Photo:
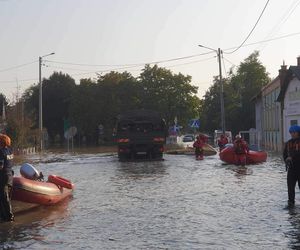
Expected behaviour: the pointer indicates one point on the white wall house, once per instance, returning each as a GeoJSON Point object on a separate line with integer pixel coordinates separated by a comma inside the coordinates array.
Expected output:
{"type": "Point", "coordinates": [277, 107]}
{"type": "Point", "coordinates": [290, 100]}
{"type": "Point", "coordinates": [271, 116]}
{"type": "Point", "coordinates": [268, 115]}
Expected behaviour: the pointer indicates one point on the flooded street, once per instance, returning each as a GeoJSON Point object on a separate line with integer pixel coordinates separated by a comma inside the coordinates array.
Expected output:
{"type": "Point", "coordinates": [178, 203]}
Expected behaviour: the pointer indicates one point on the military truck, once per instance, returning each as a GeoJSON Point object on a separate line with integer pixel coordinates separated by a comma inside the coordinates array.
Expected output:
{"type": "Point", "coordinates": [140, 134]}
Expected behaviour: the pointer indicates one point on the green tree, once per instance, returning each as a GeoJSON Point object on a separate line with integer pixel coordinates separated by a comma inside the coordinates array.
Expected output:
{"type": "Point", "coordinates": [239, 89]}
{"type": "Point", "coordinates": [250, 77]}
{"type": "Point", "coordinates": [84, 108]}
{"type": "Point", "coordinates": [31, 104]}
{"type": "Point", "coordinates": [99, 102]}
{"type": "Point", "coordinates": [210, 111]}
{"type": "Point", "coordinates": [169, 93]}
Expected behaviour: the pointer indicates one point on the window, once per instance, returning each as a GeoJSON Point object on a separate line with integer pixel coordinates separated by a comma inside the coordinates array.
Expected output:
{"type": "Point", "coordinates": [294, 122]}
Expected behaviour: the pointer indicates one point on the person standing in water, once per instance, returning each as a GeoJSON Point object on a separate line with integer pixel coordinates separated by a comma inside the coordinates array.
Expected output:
{"type": "Point", "coordinates": [241, 150]}
{"type": "Point", "coordinates": [291, 156]}
{"type": "Point", "coordinates": [198, 145]}
{"type": "Point", "coordinates": [6, 178]}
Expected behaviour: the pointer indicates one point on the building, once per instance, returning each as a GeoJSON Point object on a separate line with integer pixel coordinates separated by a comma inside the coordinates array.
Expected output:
{"type": "Point", "coordinates": [268, 114]}
{"type": "Point", "coordinates": [289, 98]}
{"type": "Point", "coordinates": [277, 107]}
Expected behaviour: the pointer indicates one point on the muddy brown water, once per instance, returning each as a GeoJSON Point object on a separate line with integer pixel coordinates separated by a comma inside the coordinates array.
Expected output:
{"type": "Point", "coordinates": [178, 203]}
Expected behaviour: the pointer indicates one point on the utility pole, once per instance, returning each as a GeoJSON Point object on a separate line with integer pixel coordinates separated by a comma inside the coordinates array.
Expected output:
{"type": "Point", "coordinates": [219, 53]}
{"type": "Point", "coordinates": [41, 102]}
{"type": "Point", "coordinates": [40, 105]}
{"type": "Point", "coordinates": [221, 93]}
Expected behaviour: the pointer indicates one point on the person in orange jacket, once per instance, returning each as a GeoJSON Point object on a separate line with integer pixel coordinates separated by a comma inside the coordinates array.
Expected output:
{"type": "Point", "coordinates": [241, 150]}
{"type": "Point", "coordinates": [222, 141]}
{"type": "Point", "coordinates": [198, 145]}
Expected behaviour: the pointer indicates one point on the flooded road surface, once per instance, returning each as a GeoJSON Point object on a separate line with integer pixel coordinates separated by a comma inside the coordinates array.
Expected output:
{"type": "Point", "coordinates": [178, 203]}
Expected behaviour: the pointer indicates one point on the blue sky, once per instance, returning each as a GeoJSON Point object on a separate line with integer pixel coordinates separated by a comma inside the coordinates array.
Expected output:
{"type": "Point", "coordinates": [117, 32]}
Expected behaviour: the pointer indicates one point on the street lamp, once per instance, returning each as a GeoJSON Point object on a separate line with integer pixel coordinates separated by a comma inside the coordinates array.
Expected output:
{"type": "Point", "coordinates": [41, 101]}
{"type": "Point", "coordinates": [218, 51]}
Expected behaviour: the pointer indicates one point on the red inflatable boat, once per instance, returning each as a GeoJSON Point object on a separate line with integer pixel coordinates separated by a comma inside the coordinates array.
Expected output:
{"type": "Point", "coordinates": [228, 155]}
{"type": "Point", "coordinates": [41, 192]}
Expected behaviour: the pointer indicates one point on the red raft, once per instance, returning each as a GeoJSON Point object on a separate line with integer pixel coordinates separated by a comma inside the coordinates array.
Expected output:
{"type": "Point", "coordinates": [253, 157]}
{"type": "Point", "coordinates": [40, 192]}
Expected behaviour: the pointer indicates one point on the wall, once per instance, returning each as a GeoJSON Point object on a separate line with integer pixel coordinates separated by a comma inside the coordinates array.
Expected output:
{"type": "Point", "coordinates": [291, 111]}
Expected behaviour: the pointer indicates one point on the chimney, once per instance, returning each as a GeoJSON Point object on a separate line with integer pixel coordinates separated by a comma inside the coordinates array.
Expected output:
{"type": "Point", "coordinates": [283, 71]}
{"type": "Point", "coordinates": [298, 61]}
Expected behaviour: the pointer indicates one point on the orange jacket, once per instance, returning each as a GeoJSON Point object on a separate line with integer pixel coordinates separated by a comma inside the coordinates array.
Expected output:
{"type": "Point", "coordinates": [240, 146]}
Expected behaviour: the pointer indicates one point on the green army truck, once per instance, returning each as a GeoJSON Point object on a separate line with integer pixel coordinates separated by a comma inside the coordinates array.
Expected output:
{"type": "Point", "coordinates": [140, 134]}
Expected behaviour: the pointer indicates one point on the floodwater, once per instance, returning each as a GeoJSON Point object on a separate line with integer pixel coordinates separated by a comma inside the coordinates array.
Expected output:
{"type": "Point", "coordinates": [178, 203]}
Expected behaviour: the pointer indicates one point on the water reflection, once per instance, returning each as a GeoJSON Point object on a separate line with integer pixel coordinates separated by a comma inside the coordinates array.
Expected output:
{"type": "Point", "coordinates": [240, 172]}
{"type": "Point", "coordinates": [139, 170]}
{"type": "Point", "coordinates": [178, 203]}
{"type": "Point", "coordinates": [294, 233]}
{"type": "Point", "coordinates": [28, 226]}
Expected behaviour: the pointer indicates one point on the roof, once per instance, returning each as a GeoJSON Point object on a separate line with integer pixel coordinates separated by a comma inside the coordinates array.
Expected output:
{"type": "Point", "coordinates": [292, 71]}
{"type": "Point", "coordinates": [259, 94]}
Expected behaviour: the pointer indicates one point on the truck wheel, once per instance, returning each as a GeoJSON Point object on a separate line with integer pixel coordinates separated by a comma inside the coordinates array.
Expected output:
{"type": "Point", "coordinates": [122, 156]}
{"type": "Point", "coordinates": [159, 156]}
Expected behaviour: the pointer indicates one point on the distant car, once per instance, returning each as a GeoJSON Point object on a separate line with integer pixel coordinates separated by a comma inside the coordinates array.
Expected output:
{"type": "Point", "coordinates": [188, 138]}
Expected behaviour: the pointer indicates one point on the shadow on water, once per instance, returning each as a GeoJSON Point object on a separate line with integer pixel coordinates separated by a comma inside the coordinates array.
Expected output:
{"type": "Point", "coordinates": [294, 233]}
{"type": "Point", "coordinates": [240, 171]}
{"type": "Point", "coordinates": [28, 225]}
{"type": "Point", "coordinates": [141, 169]}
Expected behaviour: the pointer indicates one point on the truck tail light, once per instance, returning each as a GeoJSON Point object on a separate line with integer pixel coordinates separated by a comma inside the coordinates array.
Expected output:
{"type": "Point", "coordinates": [158, 139]}
{"type": "Point", "coordinates": [123, 140]}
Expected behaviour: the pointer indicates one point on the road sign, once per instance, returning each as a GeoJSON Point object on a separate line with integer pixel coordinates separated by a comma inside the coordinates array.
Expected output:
{"type": "Point", "coordinates": [194, 123]}
{"type": "Point", "coordinates": [71, 132]}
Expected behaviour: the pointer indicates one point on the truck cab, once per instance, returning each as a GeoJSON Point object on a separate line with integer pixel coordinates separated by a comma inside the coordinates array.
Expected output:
{"type": "Point", "coordinates": [140, 133]}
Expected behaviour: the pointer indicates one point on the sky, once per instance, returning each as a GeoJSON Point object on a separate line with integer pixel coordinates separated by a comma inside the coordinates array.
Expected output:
{"type": "Point", "coordinates": [89, 36]}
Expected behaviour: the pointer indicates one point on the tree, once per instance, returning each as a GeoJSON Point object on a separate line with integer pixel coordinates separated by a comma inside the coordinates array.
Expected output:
{"type": "Point", "coordinates": [84, 108]}
{"type": "Point", "coordinates": [171, 94]}
{"type": "Point", "coordinates": [239, 89]}
{"type": "Point", "coordinates": [210, 112]}
{"type": "Point", "coordinates": [99, 102]}
{"type": "Point", "coordinates": [250, 77]}
{"type": "Point", "coordinates": [56, 99]}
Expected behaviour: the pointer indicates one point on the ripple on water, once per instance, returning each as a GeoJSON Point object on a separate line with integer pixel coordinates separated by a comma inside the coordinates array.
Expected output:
{"type": "Point", "coordinates": [178, 203]}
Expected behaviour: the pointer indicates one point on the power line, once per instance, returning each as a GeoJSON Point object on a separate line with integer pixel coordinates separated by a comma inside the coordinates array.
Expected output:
{"type": "Point", "coordinates": [141, 64]}
{"type": "Point", "coordinates": [283, 19]}
{"type": "Point", "coordinates": [23, 80]}
{"type": "Point", "coordinates": [181, 64]}
{"type": "Point", "coordinates": [251, 29]}
{"type": "Point", "coordinates": [75, 69]}
{"type": "Point", "coordinates": [107, 70]}
{"type": "Point", "coordinates": [229, 61]}
{"type": "Point", "coordinates": [92, 65]}
{"type": "Point", "coordinates": [122, 68]}
{"type": "Point", "coordinates": [18, 66]}
{"type": "Point", "coordinates": [126, 66]}
{"type": "Point", "coordinates": [103, 71]}
{"type": "Point", "coordinates": [132, 64]}
{"type": "Point", "coordinates": [264, 41]}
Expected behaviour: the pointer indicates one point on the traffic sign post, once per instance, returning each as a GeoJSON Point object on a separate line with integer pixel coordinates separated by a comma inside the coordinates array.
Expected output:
{"type": "Point", "coordinates": [69, 134]}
